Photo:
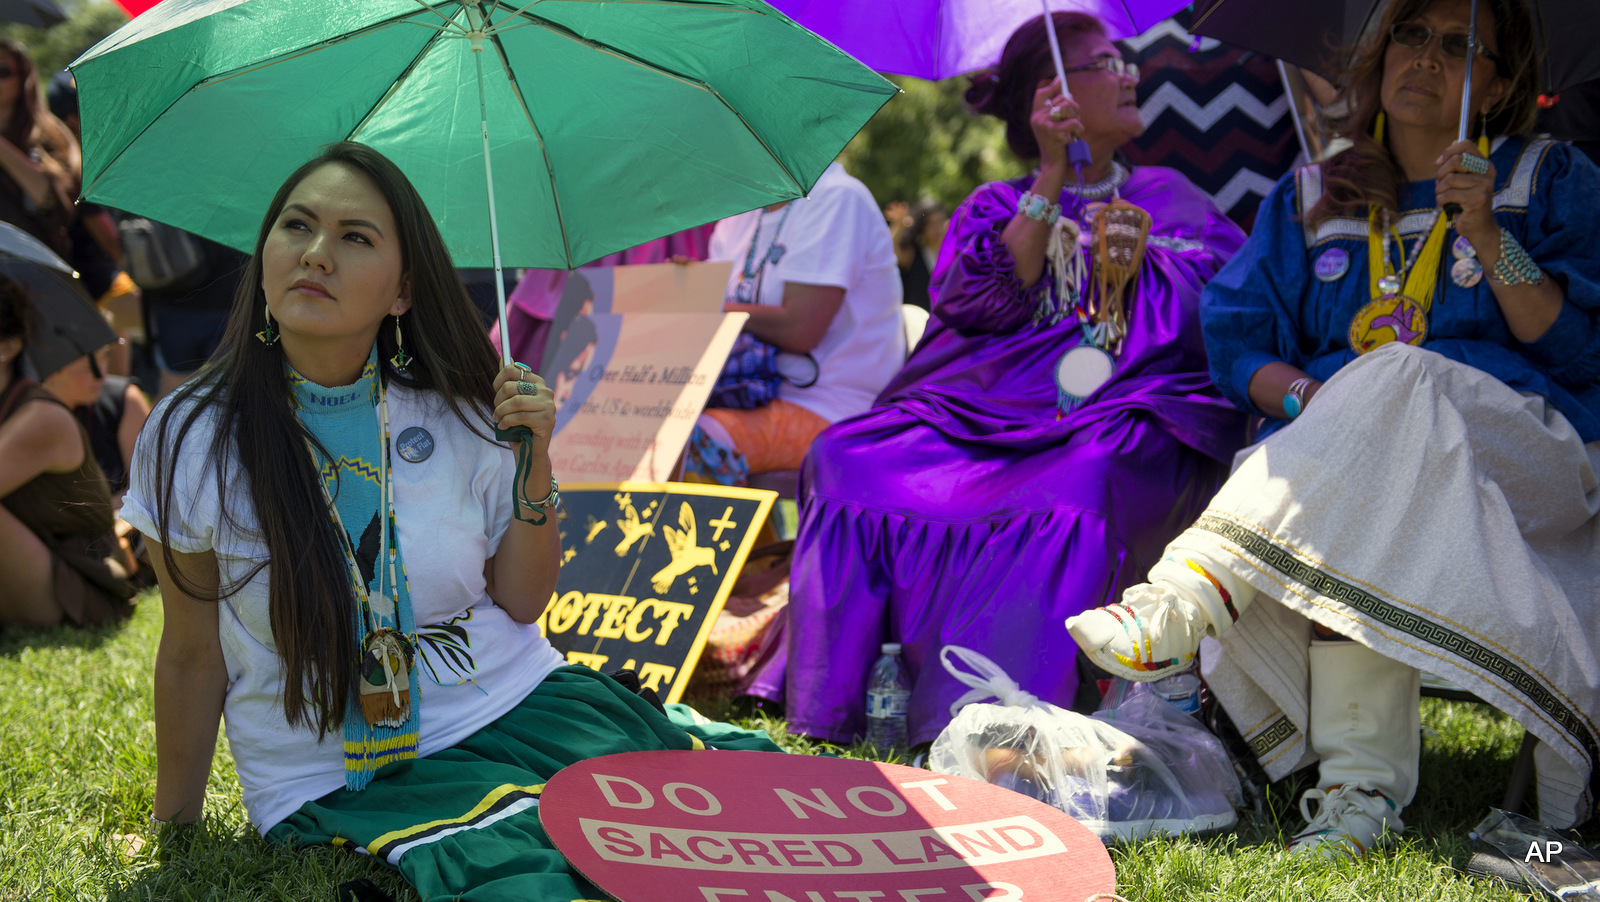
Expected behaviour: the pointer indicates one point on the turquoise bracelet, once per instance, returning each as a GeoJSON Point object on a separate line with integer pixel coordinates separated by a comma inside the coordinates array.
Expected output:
{"type": "Point", "coordinates": [1038, 208]}
{"type": "Point", "coordinates": [1515, 266]}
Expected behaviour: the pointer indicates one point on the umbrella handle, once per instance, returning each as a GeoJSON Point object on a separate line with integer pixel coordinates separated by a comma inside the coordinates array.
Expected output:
{"type": "Point", "coordinates": [519, 495]}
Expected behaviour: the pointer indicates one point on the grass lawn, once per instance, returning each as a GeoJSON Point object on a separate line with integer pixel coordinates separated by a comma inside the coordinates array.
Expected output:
{"type": "Point", "coordinates": [77, 768]}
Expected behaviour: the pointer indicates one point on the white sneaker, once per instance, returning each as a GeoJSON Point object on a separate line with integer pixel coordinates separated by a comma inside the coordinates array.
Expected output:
{"type": "Point", "coordinates": [1152, 633]}
{"type": "Point", "coordinates": [1351, 821]}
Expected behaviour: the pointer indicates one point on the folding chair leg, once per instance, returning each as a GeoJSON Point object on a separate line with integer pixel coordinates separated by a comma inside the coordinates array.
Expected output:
{"type": "Point", "coordinates": [1521, 772]}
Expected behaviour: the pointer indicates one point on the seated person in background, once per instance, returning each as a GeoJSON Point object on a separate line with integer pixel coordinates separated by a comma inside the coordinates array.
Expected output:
{"type": "Point", "coordinates": [58, 552]}
{"type": "Point", "coordinates": [818, 277]}
{"type": "Point", "coordinates": [367, 622]}
{"type": "Point", "coordinates": [38, 157]}
{"type": "Point", "coordinates": [1426, 495]}
{"type": "Point", "coordinates": [111, 408]}
{"type": "Point", "coordinates": [188, 311]}
{"type": "Point", "coordinates": [96, 251]}
{"type": "Point", "coordinates": [979, 503]}
{"type": "Point", "coordinates": [918, 231]}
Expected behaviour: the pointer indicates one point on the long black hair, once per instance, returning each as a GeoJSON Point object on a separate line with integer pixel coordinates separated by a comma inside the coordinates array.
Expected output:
{"type": "Point", "coordinates": [245, 388]}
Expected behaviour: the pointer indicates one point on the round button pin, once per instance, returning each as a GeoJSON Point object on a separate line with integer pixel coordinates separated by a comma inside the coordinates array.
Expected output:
{"type": "Point", "coordinates": [1462, 248]}
{"type": "Point", "coordinates": [1466, 272]}
{"type": "Point", "coordinates": [415, 444]}
{"type": "Point", "coordinates": [1332, 265]}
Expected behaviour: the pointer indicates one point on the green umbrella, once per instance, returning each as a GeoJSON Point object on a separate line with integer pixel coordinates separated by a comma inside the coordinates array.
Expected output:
{"type": "Point", "coordinates": [609, 122]}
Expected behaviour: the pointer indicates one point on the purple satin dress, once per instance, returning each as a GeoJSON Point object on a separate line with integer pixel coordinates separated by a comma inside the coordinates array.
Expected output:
{"type": "Point", "coordinates": [966, 509]}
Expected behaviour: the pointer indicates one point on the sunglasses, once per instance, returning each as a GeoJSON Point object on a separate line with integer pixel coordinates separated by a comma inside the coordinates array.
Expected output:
{"type": "Point", "coordinates": [1455, 45]}
{"type": "Point", "coordinates": [1116, 65]}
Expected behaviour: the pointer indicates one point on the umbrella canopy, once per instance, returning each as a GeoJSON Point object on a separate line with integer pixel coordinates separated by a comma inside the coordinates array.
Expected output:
{"type": "Point", "coordinates": [66, 324]}
{"type": "Point", "coordinates": [610, 122]}
{"type": "Point", "coordinates": [1318, 36]}
{"type": "Point", "coordinates": [32, 13]}
{"type": "Point", "coordinates": [936, 39]}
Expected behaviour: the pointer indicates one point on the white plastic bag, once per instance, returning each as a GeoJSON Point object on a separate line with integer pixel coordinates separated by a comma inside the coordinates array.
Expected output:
{"type": "Point", "coordinates": [1140, 768]}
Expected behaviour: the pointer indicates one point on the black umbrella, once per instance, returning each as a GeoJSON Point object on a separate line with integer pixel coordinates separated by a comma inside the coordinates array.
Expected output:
{"type": "Point", "coordinates": [1318, 35]}
{"type": "Point", "coordinates": [34, 13]}
{"type": "Point", "coordinates": [66, 324]}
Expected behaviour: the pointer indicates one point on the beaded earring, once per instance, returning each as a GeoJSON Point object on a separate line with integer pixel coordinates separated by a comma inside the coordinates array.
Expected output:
{"type": "Point", "coordinates": [269, 335]}
{"type": "Point", "coordinates": [401, 360]}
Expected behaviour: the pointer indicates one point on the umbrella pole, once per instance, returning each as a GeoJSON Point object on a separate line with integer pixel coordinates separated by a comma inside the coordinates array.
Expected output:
{"type": "Point", "coordinates": [1294, 112]}
{"type": "Point", "coordinates": [1055, 49]}
{"type": "Point", "coordinates": [494, 224]}
{"type": "Point", "coordinates": [521, 435]}
{"type": "Point", "coordinates": [1078, 153]}
{"type": "Point", "coordinates": [1464, 131]}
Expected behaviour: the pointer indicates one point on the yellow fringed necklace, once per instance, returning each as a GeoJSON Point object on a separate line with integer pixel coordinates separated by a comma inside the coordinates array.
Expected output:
{"type": "Point", "coordinates": [1400, 301]}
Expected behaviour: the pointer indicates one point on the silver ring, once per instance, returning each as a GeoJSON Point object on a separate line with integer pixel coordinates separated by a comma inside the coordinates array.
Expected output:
{"type": "Point", "coordinates": [1055, 113]}
{"type": "Point", "coordinates": [1474, 164]}
{"type": "Point", "coordinates": [527, 388]}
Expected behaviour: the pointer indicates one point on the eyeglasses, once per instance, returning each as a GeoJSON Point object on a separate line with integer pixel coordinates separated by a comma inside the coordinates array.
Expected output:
{"type": "Point", "coordinates": [1116, 65]}
{"type": "Point", "coordinates": [1455, 45]}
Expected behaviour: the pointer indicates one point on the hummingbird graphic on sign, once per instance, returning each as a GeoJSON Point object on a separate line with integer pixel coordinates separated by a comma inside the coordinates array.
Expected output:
{"type": "Point", "coordinates": [686, 555]}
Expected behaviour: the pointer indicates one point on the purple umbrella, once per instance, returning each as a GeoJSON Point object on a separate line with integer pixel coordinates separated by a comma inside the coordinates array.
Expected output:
{"type": "Point", "coordinates": [936, 39]}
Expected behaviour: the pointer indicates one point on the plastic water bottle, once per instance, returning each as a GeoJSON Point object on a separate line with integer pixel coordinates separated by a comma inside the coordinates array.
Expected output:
{"type": "Point", "coordinates": [1182, 689]}
{"type": "Point", "coordinates": [888, 694]}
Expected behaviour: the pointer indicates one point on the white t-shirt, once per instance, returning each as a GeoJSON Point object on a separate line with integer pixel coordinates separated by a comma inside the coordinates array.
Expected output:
{"type": "Point", "coordinates": [836, 236]}
{"type": "Point", "coordinates": [452, 509]}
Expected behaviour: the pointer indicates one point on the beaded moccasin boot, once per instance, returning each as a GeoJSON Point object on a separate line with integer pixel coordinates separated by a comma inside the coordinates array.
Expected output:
{"type": "Point", "coordinates": [1155, 630]}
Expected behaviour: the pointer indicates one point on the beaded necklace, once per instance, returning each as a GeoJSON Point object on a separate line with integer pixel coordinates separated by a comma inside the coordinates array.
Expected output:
{"type": "Point", "coordinates": [1103, 188]}
{"type": "Point", "coordinates": [387, 686]}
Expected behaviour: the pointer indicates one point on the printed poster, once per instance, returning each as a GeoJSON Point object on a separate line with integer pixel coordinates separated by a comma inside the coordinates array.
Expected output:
{"type": "Point", "coordinates": [632, 356]}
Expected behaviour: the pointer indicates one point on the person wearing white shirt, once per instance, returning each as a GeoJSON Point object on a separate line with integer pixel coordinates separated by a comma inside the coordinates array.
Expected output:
{"type": "Point", "coordinates": [819, 279]}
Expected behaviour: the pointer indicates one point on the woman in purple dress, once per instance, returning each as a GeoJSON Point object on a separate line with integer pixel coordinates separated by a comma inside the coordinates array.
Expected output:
{"type": "Point", "coordinates": [979, 503]}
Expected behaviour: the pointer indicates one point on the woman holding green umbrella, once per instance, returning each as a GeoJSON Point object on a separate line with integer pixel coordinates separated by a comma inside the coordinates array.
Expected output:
{"type": "Point", "coordinates": [343, 579]}
{"type": "Point", "coordinates": [1426, 494]}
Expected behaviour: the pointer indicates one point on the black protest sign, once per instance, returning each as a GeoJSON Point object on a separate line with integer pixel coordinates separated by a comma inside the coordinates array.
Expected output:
{"type": "Point", "coordinates": [645, 569]}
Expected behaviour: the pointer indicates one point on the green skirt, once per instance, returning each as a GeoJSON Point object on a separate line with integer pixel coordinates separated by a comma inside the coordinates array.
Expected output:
{"type": "Point", "coordinates": [463, 823]}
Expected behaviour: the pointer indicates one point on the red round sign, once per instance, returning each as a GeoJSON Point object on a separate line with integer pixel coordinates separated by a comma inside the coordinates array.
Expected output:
{"type": "Point", "coordinates": [720, 826]}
